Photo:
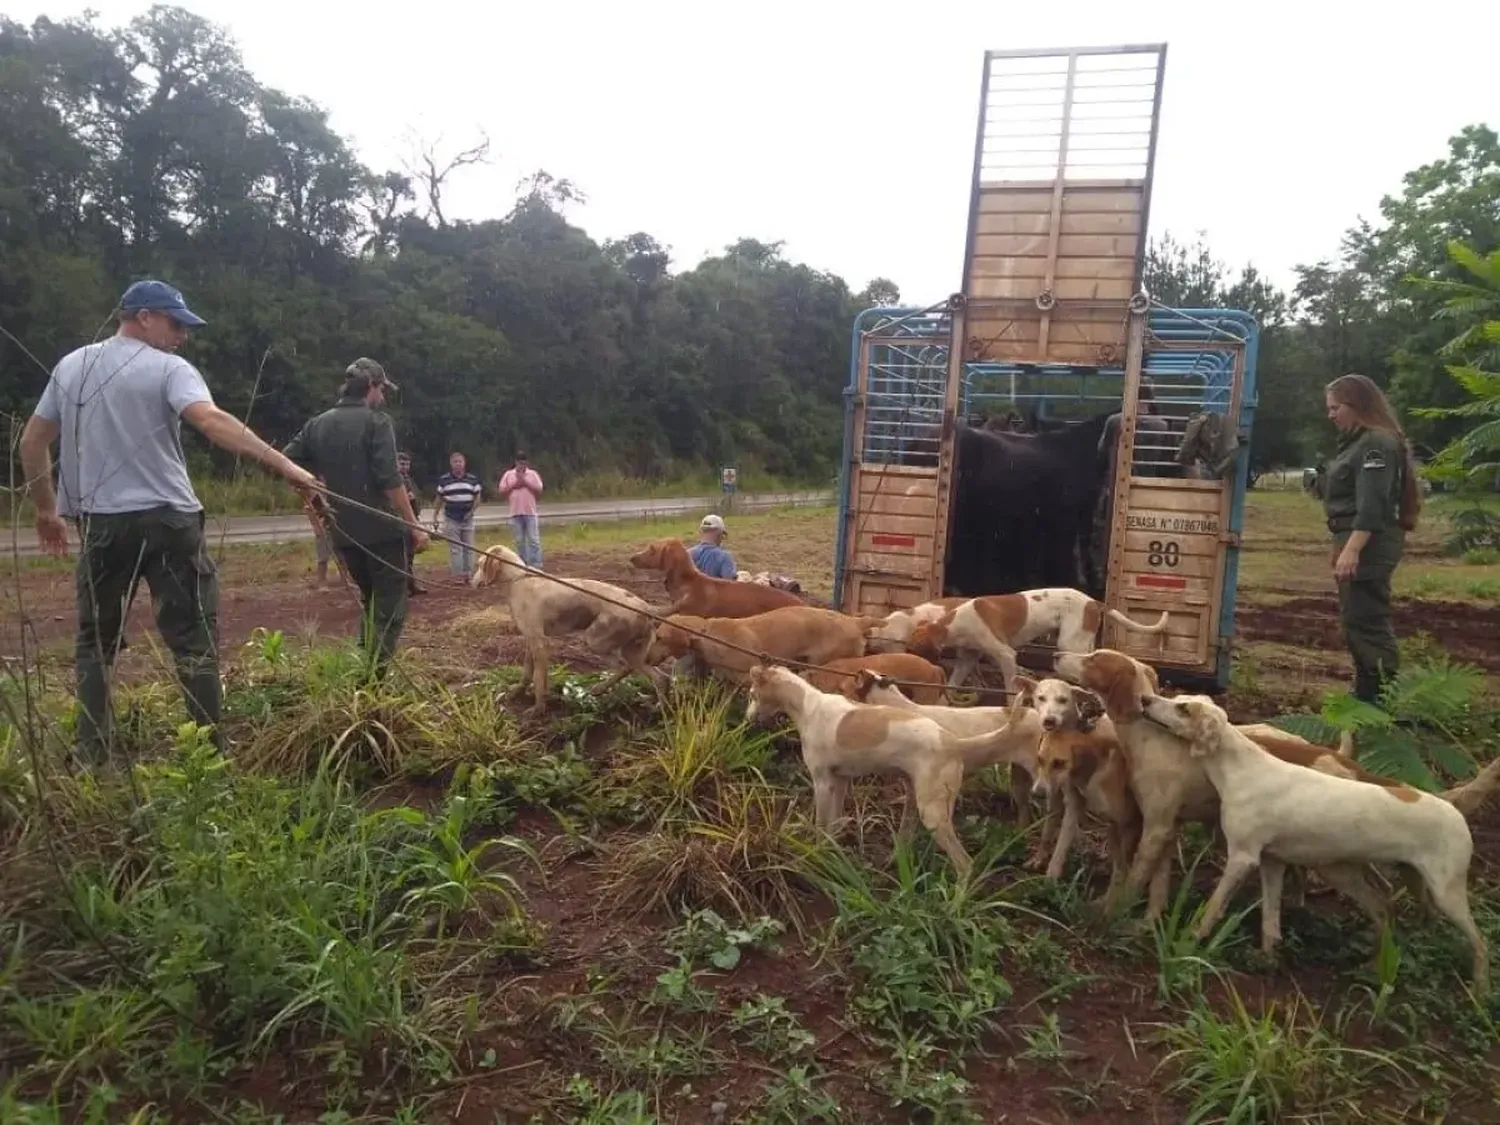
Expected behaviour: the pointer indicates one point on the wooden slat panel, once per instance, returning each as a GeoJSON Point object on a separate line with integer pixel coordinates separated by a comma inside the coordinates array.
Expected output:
{"type": "Point", "coordinates": [910, 565]}
{"type": "Point", "coordinates": [1174, 510]}
{"type": "Point", "coordinates": [1186, 648]}
{"type": "Point", "coordinates": [1196, 545]}
{"type": "Point", "coordinates": [879, 507]}
{"type": "Point", "coordinates": [1031, 266]}
{"type": "Point", "coordinates": [894, 524]}
{"type": "Point", "coordinates": [1068, 245]}
{"type": "Point", "coordinates": [873, 479]}
{"type": "Point", "coordinates": [1084, 223]}
{"type": "Point", "coordinates": [1066, 289]}
{"type": "Point", "coordinates": [1098, 245]}
{"type": "Point", "coordinates": [1181, 588]}
{"type": "Point", "coordinates": [877, 596]}
{"type": "Point", "coordinates": [1100, 202]}
{"type": "Point", "coordinates": [1195, 566]}
{"type": "Point", "coordinates": [1006, 200]}
{"type": "Point", "coordinates": [894, 543]}
{"type": "Point", "coordinates": [1138, 485]}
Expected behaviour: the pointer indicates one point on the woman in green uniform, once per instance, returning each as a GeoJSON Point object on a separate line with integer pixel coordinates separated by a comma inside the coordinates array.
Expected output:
{"type": "Point", "coordinates": [1371, 496]}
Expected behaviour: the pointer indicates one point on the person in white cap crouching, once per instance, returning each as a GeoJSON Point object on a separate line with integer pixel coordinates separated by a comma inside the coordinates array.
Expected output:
{"type": "Point", "coordinates": [708, 554]}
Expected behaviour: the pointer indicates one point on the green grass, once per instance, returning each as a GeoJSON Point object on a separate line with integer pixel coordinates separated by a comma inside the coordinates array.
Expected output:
{"type": "Point", "coordinates": [1288, 552]}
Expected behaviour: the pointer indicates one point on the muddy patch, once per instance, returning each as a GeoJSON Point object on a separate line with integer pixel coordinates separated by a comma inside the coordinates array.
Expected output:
{"type": "Point", "coordinates": [1466, 631]}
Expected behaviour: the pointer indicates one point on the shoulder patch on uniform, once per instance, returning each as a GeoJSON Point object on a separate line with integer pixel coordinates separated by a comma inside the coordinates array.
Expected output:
{"type": "Point", "coordinates": [1374, 459]}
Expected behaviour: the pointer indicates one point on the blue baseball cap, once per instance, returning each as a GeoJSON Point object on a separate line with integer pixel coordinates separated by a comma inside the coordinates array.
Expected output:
{"type": "Point", "coordinates": [158, 296]}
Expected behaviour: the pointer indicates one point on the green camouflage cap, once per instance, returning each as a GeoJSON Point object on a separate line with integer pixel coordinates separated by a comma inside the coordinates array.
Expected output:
{"type": "Point", "coordinates": [371, 371]}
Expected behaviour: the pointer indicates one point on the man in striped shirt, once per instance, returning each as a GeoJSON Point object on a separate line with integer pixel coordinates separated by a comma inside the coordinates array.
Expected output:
{"type": "Point", "coordinates": [458, 496]}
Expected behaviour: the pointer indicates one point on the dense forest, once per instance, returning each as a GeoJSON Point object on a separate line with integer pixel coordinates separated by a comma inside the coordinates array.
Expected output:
{"type": "Point", "coordinates": [151, 150]}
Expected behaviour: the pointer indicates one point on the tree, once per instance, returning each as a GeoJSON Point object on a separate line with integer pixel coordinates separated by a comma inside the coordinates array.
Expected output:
{"type": "Point", "coordinates": [428, 167]}
{"type": "Point", "coordinates": [1475, 305]}
{"type": "Point", "coordinates": [881, 292]}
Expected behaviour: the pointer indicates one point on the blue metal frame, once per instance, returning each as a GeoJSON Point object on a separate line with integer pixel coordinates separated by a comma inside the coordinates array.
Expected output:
{"type": "Point", "coordinates": [1168, 359]}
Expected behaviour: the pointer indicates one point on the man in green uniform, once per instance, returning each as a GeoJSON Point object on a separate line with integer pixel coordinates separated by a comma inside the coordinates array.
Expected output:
{"type": "Point", "coordinates": [353, 448]}
{"type": "Point", "coordinates": [1362, 489]}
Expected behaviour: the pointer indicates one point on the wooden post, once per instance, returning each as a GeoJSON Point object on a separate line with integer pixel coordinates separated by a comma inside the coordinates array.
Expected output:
{"type": "Point", "coordinates": [856, 456]}
{"type": "Point", "coordinates": [1135, 349]}
{"type": "Point", "coordinates": [1054, 225]}
{"type": "Point", "coordinates": [948, 448]}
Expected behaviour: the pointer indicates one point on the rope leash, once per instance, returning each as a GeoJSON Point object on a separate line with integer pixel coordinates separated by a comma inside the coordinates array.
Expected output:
{"type": "Point", "coordinates": [660, 619]}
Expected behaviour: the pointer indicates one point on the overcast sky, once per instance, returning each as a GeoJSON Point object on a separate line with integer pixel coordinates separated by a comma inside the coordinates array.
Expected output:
{"type": "Point", "coordinates": [846, 130]}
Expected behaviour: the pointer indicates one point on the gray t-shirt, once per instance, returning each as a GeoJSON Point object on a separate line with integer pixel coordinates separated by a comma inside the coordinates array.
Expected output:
{"type": "Point", "coordinates": [118, 405]}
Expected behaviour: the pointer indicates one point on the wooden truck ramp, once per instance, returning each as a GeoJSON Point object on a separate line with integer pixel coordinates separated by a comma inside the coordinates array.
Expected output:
{"type": "Point", "coordinates": [1052, 322]}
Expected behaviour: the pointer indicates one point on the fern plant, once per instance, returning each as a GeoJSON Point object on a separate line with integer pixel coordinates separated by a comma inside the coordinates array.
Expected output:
{"type": "Point", "coordinates": [1474, 455]}
{"type": "Point", "coordinates": [1423, 731]}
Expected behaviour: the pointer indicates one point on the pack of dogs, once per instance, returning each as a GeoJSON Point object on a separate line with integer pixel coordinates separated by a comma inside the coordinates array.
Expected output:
{"type": "Point", "coordinates": [1098, 740]}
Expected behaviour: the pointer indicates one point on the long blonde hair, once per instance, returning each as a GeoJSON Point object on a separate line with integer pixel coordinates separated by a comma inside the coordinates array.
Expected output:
{"type": "Point", "coordinates": [1372, 410]}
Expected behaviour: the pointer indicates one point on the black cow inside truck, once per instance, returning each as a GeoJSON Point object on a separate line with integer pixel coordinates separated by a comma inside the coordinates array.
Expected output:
{"type": "Point", "coordinates": [1032, 509]}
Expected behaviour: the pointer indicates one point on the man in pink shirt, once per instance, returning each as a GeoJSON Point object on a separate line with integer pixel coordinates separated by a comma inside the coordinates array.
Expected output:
{"type": "Point", "coordinates": [521, 485]}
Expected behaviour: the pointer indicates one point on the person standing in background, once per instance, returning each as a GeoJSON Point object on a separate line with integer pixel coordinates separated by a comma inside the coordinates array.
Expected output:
{"type": "Point", "coordinates": [116, 410]}
{"type": "Point", "coordinates": [708, 554]}
{"type": "Point", "coordinates": [521, 485]}
{"type": "Point", "coordinates": [458, 496]}
{"type": "Point", "coordinates": [353, 448]}
{"type": "Point", "coordinates": [323, 544]}
{"type": "Point", "coordinates": [403, 466]}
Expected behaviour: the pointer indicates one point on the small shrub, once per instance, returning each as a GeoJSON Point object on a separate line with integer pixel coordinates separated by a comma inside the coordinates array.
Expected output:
{"type": "Point", "coordinates": [1277, 1066]}
{"type": "Point", "coordinates": [794, 1099]}
{"type": "Point", "coordinates": [925, 952]}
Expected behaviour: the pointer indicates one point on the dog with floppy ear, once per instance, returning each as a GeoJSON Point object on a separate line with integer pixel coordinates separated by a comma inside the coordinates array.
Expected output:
{"type": "Point", "coordinates": [1170, 786]}
{"type": "Point", "coordinates": [1018, 750]}
{"type": "Point", "coordinates": [1080, 767]}
{"type": "Point", "coordinates": [696, 594]}
{"type": "Point", "coordinates": [614, 622]}
{"type": "Point", "coordinates": [843, 740]}
{"type": "Point", "coordinates": [1276, 813]}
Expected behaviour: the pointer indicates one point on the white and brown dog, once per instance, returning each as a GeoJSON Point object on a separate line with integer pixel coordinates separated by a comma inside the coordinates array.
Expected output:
{"type": "Point", "coordinates": [997, 625]}
{"type": "Point", "coordinates": [620, 628]}
{"type": "Point", "coordinates": [843, 740]}
{"type": "Point", "coordinates": [1275, 813]}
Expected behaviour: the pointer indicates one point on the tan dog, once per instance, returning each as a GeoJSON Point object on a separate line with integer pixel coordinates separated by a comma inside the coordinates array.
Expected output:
{"type": "Point", "coordinates": [696, 594]}
{"type": "Point", "coordinates": [996, 626]}
{"type": "Point", "coordinates": [843, 740]}
{"type": "Point", "coordinates": [1082, 767]}
{"type": "Point", "coordinates": [1170, 786]}
{"type": "Point", "coordinates": [799, 633]}
{"type": "Point", "coordinates": [1017, 749]}
{"type": "Point", "coordinates": [840, 675]}
{"type": "Point", "coordinates": [543, 609]}
{"type": "Point", "coordinates": [1275, 813]}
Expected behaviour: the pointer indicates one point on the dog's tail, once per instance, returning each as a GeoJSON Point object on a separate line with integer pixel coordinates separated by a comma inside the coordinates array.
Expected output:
{"type": "Point", "coordinates": [980, 749]}
{"type": "Point", "coordinates": [1470, 797]}
{"type": "Point", "coordinates": [1135, 626]}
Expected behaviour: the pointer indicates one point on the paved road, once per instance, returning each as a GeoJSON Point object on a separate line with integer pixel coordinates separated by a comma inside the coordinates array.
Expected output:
{"type": "Point", "coordinates": [281, 529]}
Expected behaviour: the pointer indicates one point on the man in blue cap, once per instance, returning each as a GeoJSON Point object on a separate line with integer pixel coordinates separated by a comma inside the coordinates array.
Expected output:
{"type": "Point", "coordinates": [116, 410]}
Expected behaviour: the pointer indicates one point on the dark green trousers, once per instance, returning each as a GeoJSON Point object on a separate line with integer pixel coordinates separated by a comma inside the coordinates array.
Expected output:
{"type": "Point", "coordinates": [167, 549]}
{"type": "Point", "coordinates": [380, 571]}
{"type": "Point", "coordinates": [1365, 615]}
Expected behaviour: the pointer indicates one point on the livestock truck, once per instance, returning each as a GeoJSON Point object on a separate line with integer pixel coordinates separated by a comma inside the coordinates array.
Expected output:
{"type": "Point", "coordinates": [1052, 323]}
